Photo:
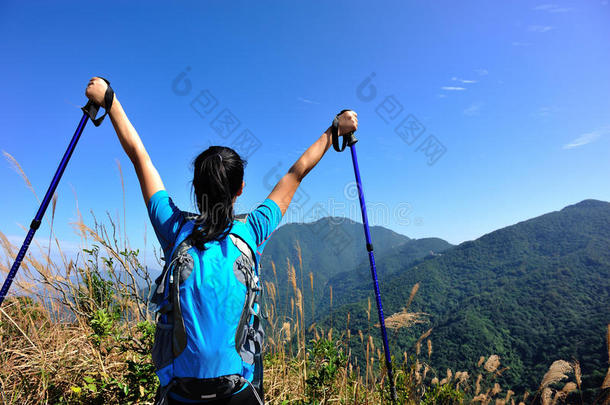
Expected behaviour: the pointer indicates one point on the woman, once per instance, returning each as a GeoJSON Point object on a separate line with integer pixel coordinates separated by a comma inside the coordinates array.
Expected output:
{"type": "Point", "coordinates": [217, 182]}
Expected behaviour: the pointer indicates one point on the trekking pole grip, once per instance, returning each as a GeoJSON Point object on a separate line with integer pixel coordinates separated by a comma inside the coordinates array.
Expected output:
{"type": "Point", "coordinates": [91, 109]}
{"type": "Point", "coordinates": [348, 139]}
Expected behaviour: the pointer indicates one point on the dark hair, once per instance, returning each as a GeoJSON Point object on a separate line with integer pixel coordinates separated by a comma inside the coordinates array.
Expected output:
{"type": "Point", "coordinates": [218, 173]}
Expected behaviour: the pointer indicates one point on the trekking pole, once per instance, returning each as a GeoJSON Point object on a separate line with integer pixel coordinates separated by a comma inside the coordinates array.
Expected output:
{"type": "Point", "coordinates": [89, 111]}
{"type": "Point", "coordinates": [350, 140]}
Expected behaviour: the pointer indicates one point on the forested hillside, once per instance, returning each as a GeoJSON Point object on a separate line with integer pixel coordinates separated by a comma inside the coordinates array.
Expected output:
{"type": "Point", "coordinates": [332, 249]}
{"type": "Point", "coordinates": [531, 293]}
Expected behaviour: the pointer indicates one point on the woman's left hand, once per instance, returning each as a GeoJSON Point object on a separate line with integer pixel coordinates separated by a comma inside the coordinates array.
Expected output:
{"type": "Point", "coordinates": [348, 122]}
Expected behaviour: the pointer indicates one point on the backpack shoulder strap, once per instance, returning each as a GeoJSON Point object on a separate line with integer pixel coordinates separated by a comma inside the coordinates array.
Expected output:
{"type": "Point", "coordinates": [241, 237]}
{"type": "Point", "coordinates": [161, 282]}
{"type": "Point", "coordinates": [249, 336]}
{"type": "Point", "coordinates": [184, 232]}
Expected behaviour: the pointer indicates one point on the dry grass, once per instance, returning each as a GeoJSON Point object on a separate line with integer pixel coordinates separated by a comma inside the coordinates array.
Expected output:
{"type": "Point", "coordinates": [404, 318]}
{"type": "Point", "coordinates": [492, 363]}
{"type": "Point", "coordinates": [558, 371]}
{"type": "Point", "coordinates": [43, 360]}
{"type": "Point", "coordinates": [48, 350]}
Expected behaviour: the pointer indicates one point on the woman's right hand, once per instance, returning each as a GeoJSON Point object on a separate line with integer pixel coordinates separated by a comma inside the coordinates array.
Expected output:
{"type": "Point", "coordinates": [348, 122]}
{"type": "Point", "coordinates": [96, 89]}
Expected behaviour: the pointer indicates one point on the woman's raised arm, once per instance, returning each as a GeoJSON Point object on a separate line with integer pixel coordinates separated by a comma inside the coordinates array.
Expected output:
{"type": "Point", "coordinates": [150, 181]}
{"type": "Point", "coordinates": [284, 190]}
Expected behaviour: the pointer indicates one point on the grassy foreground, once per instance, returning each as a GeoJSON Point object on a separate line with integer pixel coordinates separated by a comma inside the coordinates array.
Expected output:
{"type": "Point", "coordinates": [79, 331]}
{"type": "Point", "coordinates": [82, 334]}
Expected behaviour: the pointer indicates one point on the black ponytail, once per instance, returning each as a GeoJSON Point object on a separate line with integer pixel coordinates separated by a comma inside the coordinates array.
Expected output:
{"type": "Point", "coordinates": [218, 173]}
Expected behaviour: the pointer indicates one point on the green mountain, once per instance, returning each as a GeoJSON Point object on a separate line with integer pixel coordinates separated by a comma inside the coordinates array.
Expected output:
{"type": "Point", "coordinates": [332, 249]}
{"type": "Point", "coordinates": [532, 293]}
{"type": "Point", "coordinates": [356, 284]}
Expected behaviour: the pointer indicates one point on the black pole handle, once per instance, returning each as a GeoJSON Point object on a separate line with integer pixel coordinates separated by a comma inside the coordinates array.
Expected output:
{"type": "Point", "coordinates": [348, 139]}
{"type": "Point", "coordinates": [91, 109]}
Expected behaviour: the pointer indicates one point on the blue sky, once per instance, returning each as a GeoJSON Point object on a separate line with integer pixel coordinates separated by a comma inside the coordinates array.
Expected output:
{"type": "Point", "coordinates": [507, 104]}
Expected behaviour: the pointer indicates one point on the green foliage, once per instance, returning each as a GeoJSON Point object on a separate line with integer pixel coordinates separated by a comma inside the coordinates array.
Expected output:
{"type": "Point", "coordinates": [137, 383]}
{"type": "Point", "coordinates": [100, 292]}
{"type": "Point", "coordinates": [326, 357]}
{"type": "Point", "coordinates": [140, 381]}
{"type": "Point", "coordinates": [444, 394]}
{"type": "Point", "coordinates": [94, 390]}
{"type": "Point", "coordinates": [103, 325]}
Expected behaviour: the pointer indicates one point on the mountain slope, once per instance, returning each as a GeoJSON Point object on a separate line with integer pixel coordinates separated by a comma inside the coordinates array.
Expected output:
{"type": "Point", "coordinates": [356, 284]}
{"type": "Point", "coordinates": [328, 246]}
{"type": "Point", "coordinates": [532, 293]}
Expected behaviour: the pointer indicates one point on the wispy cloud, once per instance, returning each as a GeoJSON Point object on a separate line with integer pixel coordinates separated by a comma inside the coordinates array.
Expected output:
{"type": "Point", "coordinates": [545, 111]}
{"type": "Point", "coordinates": [540, 28]}
{"type": "Point", "coordinates": [459, 82]}
{"type": "Point", "coordinates": [552, 8]}
{"type": "Point", "coordinates": [473, 109]}
{"type": "Point", "coordinates": [587, 138]}
{"type": "Point", "coordinates": [457, 79]}
{"type": "Point", "coordinates": [517, 43]}
{"type": "Point", "coordinates": [308, 101]}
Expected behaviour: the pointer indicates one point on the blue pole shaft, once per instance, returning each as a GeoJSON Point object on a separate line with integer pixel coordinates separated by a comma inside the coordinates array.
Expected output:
{"type": "Point", "coordinates": [369, 246]}
{"type": "Point", "coordinates": [43, 207]}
